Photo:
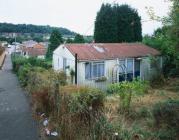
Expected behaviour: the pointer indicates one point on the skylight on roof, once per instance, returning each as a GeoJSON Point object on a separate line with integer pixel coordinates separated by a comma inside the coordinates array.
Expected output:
{"type": "Point", "coordinates": [99, 49]}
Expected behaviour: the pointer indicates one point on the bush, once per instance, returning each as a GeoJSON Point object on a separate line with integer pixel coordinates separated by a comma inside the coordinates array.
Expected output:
{"type": "Point", "coordinates": [80, 108]}
{"type": "Point", "coordinates": [18, 61]}
{"type": "Point", "coordinates": [139, 86]}
{"type": "Point", "coordinates": [157, 80]}
{"type": "Point", "coordinates": [42, 86]}
{"type": "Point", "coordinates": [126, 90]}
{"type": "Point", "coordinates": [166, 114]}
{"type": "Point", "coordinates": [23, 74]}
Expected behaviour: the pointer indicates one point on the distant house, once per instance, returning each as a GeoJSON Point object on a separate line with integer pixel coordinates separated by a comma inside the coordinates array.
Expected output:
{"type": "Point", "coordinates": [101, 64]}
{"type": "Point", "coordinates": [37, 50]}
{"type": "Point", "coordinates": [29, 43]}
{"type": "Point", "coordinates": [14, 48]}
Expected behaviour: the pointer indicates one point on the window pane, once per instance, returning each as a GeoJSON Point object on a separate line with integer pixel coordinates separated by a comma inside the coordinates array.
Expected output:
{"type": "Point", "coordinates": [129, 66]}
{"type": "Point", "coordinates": [87, 71]}
{"type": "Point", "coordinates": [122, 67]}
{"type": "Point", "coordinates": [100, 70]}
{"type": "Point", "coordinates": [95, 71]}
{"type": "Point", "coordinates": [64, 63]}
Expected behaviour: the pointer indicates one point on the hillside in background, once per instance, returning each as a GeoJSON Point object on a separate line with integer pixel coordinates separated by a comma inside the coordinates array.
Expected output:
{"type": "Point", "coordinates": [29, 28]}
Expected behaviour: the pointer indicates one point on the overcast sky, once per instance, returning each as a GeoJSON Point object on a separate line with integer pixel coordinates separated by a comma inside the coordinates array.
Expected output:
{"type": "Point", "coordinates": [76, 15]}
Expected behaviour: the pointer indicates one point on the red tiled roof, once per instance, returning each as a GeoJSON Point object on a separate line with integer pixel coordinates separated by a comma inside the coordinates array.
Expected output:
{"type": "Point", "coordinates": [39, 46]}
{"type": "Point", "coordinates": [99, 51]}
{"type": "Point", "coordinates": [37, 50]}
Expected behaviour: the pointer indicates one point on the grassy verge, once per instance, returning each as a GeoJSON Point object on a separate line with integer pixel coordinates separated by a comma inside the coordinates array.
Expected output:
{"type": "Point", "coordinates": [2, 57]}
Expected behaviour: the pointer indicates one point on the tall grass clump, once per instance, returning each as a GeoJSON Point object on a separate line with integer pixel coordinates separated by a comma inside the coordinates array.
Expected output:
{"type": "Point", "coordinates": [42, 86]}
{"type": "Point", "coordinates": [166, 117]}
{"type": "Point", "coordinates": [81, 108]}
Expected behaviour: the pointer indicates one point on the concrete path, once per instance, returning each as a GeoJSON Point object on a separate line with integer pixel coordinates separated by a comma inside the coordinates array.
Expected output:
{"type": "Point", "coordinates": [16, 122]}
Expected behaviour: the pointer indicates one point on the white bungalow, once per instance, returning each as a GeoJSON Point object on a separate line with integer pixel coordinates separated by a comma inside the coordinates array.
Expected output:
{"type": "Point", "coordinates": [98, 65]}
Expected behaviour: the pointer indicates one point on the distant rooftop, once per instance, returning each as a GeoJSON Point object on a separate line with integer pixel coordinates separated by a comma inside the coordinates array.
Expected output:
{"type": "Point", "coordinates": [29, 43]}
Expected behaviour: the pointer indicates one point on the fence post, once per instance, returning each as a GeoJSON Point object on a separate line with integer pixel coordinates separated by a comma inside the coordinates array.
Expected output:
{"type": "Point", "coordinates": [57, 95]}
{"type": "Point", "coordinates": [76, 68]}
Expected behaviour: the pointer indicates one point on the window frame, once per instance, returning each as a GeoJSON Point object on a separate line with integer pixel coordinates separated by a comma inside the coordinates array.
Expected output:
{"type": "Point", "coordinates": [91, 66]}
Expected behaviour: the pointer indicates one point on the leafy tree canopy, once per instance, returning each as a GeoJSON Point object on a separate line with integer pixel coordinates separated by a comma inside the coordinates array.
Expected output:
{"type": "Point", "coordinates": [79, 39]}
{"type": "Point", "coordinates": [166, 39]}
{"type": "Point", "coordinates": [29, 28]}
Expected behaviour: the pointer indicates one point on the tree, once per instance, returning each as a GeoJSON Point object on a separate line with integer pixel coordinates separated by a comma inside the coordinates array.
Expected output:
{"type": "Point", "coordinates": [29, 28]}
{"type": "Point", "coordinates": [174, 22]}
{"type": "Point", "coordinates": [161, 41]}
{"type": "Point", "coordinates": [55, 41]}
{"type": "Point", "coordinates": [69, 40]}
{"type": "Point", "coordinates": [79, 39]}
{"type": "Point", "coordinates": [117, 24]}
{"type": "Point", "coordinates": [38, 38]}
{"type": "Point", "coordinates": [105, 25]}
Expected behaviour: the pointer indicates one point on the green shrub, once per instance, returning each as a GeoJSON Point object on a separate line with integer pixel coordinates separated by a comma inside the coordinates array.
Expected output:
{"type": "Point", "coordinates": [18, 61]}
{"type": "Point", "coordinates": [126, 90]}
{"type": "Point", "coordinates": [23, 74]}
{"type": "Point", "coordinates": [113, 88]}
{"type": "Point", "coordinates": [144, 113]}
{"type": "Point", "coordinates": [166, 114]}
{"type": "Point", "coordinates": [139, 86]}
{"type": "Point", "coordinates": [103, 129]}
{"type": "Point", "coordinates": [168, 134]}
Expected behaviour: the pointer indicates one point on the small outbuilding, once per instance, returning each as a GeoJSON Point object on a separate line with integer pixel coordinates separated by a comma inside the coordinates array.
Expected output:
{"type": "Point", "coordinates": [99, 64]}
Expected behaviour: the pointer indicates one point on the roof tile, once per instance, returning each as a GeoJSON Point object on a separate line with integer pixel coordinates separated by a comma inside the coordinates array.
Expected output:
{"type": "Point", "coordinates": [97, 51]}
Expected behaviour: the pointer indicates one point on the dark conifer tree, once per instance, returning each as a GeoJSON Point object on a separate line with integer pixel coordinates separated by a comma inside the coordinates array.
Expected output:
{"type": "Point", "coordinates": [105, 25]}
{"type": "Point", "coordinates": [55, 41]}
{"type": "Point", "coordinates": [117, 24]}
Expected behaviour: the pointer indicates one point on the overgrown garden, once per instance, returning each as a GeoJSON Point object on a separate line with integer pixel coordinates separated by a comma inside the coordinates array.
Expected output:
{"type": "Point", "coordinates": [127, 110]}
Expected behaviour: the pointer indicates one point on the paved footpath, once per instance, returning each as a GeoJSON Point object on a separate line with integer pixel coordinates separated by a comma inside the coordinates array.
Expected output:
{"type": "Point", "coordinates": [16, 122]}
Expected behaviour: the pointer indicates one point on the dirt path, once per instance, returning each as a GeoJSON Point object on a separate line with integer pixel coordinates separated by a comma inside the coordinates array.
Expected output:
{"type": "Point", "coordinates": [16, 122]}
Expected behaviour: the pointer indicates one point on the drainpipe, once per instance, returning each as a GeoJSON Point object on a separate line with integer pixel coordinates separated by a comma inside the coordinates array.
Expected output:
{"type": "Point", "coordinates": [76, 59]}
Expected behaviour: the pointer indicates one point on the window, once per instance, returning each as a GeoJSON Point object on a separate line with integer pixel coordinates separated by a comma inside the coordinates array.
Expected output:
{"type": "Point", "coordinates": [137, 68]}
{"type": "Point", "coordinates": [122, 70]}
{"type": "Point", "coordinates": [126, 70]}
{"type": "Point", "coordinates": [64, 63]}
{"type": "Point", "coordinates": [94, 70]}
{"type": "Point", "coordinates": [122, 67]}
{"type": "Point", "coordinates": [130, 69]}
{"type": "Point", "coordinates": [87, 70]}
{"type": "Point", "coordinates": [129, 65]}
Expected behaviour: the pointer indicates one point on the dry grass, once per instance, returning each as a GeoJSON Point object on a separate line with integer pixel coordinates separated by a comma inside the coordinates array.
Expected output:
{"type": "Point", "coordinates": [146, 102]}
{"type": "Point", "coordinates": [168, 91]}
